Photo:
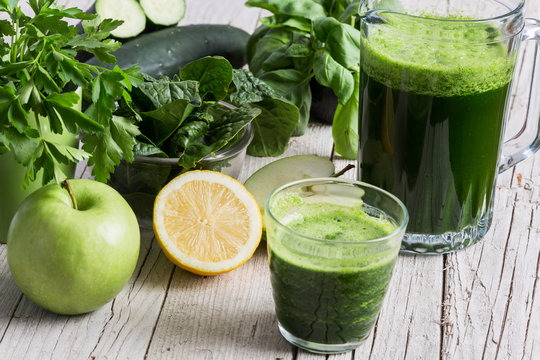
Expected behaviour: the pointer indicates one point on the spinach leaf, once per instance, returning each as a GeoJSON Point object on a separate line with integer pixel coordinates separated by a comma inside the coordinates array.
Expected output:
{"type": "Point", "coordinates": [249, 89]}
{"type": "Point", "coordinates": [152, 93]}
{"type": "Point", "coordinates": [278, 118]}
{"type": "Point", "coordinates": [342, 41]}
{"type": "Point", "coordinates": [144, 149]}
{"type": "Point", "coordinates": [273, 127]}
{"type": "Point", "coordinates": [329, 72]}
{"type": "Point", "coordinates": [292, 85]}
{"type": "Point", "coordinates": [214, 75]}
{"type": "Point", "coordinates": [199, 137]}
{"type": "Point", "coordinates": [345, 125]}
{"type": "Point", "coordinates": [302, 8]}
{"type": "Point", "coordinates": [158, 125]}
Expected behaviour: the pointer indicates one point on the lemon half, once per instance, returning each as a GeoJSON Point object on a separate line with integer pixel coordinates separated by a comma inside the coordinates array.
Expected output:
{"type": "Point", "coordinates": [207, 222]}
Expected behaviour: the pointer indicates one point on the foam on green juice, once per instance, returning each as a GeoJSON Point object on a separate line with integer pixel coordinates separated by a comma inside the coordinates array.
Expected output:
{"type": "Point", "coordinates": [436, 57]}
{"type": "Point", "coordinates": [340, 223]}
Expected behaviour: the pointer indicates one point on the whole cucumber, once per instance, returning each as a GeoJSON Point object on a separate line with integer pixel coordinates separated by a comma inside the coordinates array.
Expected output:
{"type": "Point", "coordinates": [165, 51]}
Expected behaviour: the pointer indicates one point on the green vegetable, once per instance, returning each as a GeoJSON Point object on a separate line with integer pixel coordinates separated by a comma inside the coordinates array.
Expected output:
{"type": "Point", "coordinates": [183, 117]}
{"type": "Point", "coordinates": [164, 12]}
{"type": "Point", "coordinates": [167, 50]}
{"type": "Point", "coordinates": [200, 137]}
{"type": "Point", "coordinates": [277, 120]}
{"type": "Point", "coordinates": [128, 11]}
{"type": "Point", "coordinates": [214, 75]}
{"type": "Point", "coordinates": [345, 126]}
{"type": "Point", "coordinates": [38, 79]}
{"type": "Point", "coordinates": [273, 127]}
{"type": "Point", "coordinates": [306, 39]}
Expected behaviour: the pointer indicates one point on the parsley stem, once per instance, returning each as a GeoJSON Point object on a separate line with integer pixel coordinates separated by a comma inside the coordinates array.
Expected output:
{"type": "Point", "coordinates": [67, 186]}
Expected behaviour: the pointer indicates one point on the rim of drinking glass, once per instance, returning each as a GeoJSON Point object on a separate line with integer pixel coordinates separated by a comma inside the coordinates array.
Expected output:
{"type": "Point", "coordinates": [323, 180]}
{"type": "Point", "coordinates": [510, 13]}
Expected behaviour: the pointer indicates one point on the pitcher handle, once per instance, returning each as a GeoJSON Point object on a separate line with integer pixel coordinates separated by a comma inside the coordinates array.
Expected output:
{"type": "Point", "coordinates": [530, 127]}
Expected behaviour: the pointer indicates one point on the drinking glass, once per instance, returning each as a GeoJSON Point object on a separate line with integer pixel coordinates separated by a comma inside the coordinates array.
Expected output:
{"type": "Point", "coordinates": [434, 91]}
{"type": "Point", "coordinates": [332, 246]}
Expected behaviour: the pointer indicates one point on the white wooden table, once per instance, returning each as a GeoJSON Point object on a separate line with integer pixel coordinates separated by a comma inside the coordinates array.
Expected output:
{"type": "Point", "coordinates": [479, 303]}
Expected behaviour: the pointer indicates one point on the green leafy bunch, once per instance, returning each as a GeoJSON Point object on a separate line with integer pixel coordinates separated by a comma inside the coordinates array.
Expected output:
{"type": "Point", "coordinates": [306, 39]}
{"type": "Point", "coordinates": [40, 91]}
{"type": "Point", "coordinates": [203, 109]}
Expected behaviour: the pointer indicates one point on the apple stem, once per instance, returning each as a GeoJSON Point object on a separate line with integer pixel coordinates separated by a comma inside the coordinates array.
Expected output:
{"type": "Point", "coordinates": [343, 171]}
{"type": "Point", "coordinates": [67, 186]}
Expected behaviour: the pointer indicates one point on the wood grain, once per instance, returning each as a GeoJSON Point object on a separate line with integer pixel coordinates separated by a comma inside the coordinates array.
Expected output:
{"type": "Point", "coordinates": [480, 303]}
{"type": "Point", "coordinates": [491, 287]}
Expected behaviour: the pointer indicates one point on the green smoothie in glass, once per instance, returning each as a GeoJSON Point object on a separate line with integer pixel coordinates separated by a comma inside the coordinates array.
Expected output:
{"type": "Point", "coordinates": [329, 267]}
{"type": "Point", "coordinates": [433, 96]}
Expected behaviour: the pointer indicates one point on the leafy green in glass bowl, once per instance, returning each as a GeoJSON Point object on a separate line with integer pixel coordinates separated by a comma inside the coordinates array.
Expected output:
{"type": "Point", "coordinates": [140, 181]}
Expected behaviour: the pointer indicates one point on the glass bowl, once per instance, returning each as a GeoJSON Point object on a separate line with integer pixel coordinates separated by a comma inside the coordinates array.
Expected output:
{"type": "Point", "coordinates": [141, 180]}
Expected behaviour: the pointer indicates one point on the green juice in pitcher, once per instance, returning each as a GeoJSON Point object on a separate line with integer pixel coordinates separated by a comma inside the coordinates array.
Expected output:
{"type": "Point", "coordinates": [431, 119]}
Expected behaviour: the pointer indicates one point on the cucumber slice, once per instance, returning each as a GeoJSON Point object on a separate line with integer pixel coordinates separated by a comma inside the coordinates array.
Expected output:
{"type": "Point", "coordinates": [164, 12]}
{"type": "Point", "coordinates": [281, 171]}
{"type": "Point", "coordinates": [128, 11]}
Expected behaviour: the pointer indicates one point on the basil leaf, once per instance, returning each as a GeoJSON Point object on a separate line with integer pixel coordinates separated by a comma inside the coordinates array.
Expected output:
{"type": "Point", "coordinates": [345, 124]}
{"type": "Point", "coordinates": [274, 41]}
{"type": "Point", "coordinates": [342, 41]}
{"type": "Point", "coordinates": [303, 8]}
{"type": "Point", "coordinates": [295, 22]}
{"type": "Point", "coordinates": [330, 73]}
{"type": "Point", "coordinates": [253, 42]}
{"type": "Point", "coordinates": [351, 10]}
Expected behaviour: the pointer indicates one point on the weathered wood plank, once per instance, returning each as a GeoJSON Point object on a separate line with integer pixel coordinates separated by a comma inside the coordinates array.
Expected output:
{"type": "Point", "coordinates": [231, 12]}
{"type": "Point", "coordinates": [492, 288]}
{"type": "Point", "coordinates": [10, 296]}
{"type": "Point", "coordinates": [231, 315]}
{"type": "Point", "coordinates": [121, 329]}
{"type": "Point", "coordinates": [491, 296]}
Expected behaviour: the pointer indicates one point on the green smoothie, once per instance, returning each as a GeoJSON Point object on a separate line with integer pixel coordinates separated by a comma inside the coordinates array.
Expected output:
{"type": "Point", "coordinates": [330, 293]}
{"type": "Point", "coordinates": [433, 96]}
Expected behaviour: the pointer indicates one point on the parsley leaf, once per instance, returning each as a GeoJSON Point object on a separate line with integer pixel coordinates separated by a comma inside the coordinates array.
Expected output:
{"type": "Point", "coordinates": [39, 75]}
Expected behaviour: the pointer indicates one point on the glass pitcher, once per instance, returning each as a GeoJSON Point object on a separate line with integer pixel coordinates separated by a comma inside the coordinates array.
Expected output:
{"type": "Point", "coordinates": [434, 92]}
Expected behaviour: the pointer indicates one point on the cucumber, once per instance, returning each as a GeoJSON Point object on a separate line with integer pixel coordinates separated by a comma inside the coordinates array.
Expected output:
{"type": "Point", "coordinates": [129, 11]}
{"type": "Point", "coordinates": [164, 12]}
{"type": "Point", "coordinates": [165, 51]}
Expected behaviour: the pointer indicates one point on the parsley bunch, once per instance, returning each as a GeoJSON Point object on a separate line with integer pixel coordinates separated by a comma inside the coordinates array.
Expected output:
{"type": "Point", "coordinates": [39, 77]}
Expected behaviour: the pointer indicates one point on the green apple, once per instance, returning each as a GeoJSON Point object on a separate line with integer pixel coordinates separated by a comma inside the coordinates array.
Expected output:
{"type": "Point", "coordinates": [281, 171]}
{"type": "Point", "coordinates": [73, 261]}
